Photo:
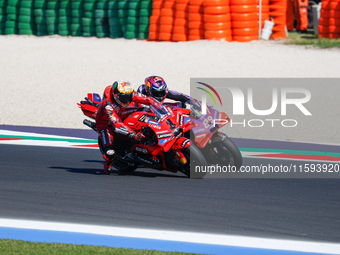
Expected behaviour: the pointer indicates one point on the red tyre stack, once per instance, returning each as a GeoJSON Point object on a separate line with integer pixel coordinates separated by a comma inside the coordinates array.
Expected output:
{"type": "Point", "coordinates": [217, 24]}
{"type": "Point", "coordinates": [180, 29]}
{"type": "Point", "coordinates": [329, 22]}
{"type": "Point", "coordinates": [244, 20]}
{"type": "Point", "coordinates": [155, 20]}
{"type": "Point", "coordinates": [278, 13]}
{"type": "Point", "coordinates": [195, 20]}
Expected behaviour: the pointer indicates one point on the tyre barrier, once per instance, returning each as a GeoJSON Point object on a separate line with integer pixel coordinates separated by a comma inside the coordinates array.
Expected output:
{"type": "Point", "coordinates": [329, 22]}
{"type": "Point", "coordinates": [157, 20]}
{"type": "Point", "coordinates": [244, 20]}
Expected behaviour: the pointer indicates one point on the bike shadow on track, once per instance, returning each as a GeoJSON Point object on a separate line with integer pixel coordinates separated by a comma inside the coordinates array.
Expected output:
{"type": "Point", "coordinates": [116, 173]}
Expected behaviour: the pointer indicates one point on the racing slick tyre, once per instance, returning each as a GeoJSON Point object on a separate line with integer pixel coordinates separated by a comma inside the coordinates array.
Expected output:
{"type": "Point", "coordinates": [223, 153]}
{"type": "Point", "coordinates": [195, 158]}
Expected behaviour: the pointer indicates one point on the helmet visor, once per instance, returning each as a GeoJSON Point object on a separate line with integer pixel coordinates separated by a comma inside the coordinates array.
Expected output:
{"type": "Point", "coordinates": [159, 94]}
{"type": "Point", "coordinates": [124, 99]}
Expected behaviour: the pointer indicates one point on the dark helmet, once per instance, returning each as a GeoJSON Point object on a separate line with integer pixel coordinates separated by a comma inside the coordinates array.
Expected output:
{"type": "Point", "coordinates": [122, 92]}
{"type": "Point", "coordinates": [156, 87]}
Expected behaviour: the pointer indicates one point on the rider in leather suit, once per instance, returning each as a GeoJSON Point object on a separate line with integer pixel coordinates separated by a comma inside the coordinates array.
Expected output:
{"type": "Point", "coordinates": [110, 116]}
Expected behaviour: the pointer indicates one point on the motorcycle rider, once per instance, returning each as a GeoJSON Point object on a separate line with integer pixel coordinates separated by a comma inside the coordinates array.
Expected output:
{"type": "Point", "coordinates": [112, 111]}
{"type": "Point", "coordinates": [156, 87]}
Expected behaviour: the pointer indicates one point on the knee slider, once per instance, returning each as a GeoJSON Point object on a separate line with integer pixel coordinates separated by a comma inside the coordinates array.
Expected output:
{"type": "Point", "coordinates": [109, 154]}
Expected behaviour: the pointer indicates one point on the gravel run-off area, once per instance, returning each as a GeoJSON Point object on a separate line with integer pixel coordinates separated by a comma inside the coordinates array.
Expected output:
{"type": "Point", "coordinates": [42, 78]}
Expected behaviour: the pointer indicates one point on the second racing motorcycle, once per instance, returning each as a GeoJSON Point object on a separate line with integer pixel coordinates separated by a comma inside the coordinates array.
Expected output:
{"type": "Point", "coordinates": [204, 132]}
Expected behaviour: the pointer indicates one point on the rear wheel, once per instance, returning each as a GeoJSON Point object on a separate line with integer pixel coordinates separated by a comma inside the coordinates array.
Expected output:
{"type": "Point", "coordinates": [223, 153]}
{"type": "Point", "coordinates": [196, 162]}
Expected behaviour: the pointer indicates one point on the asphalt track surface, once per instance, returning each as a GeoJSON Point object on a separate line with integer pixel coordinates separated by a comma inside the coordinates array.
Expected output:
{"type": "Point", "coordinates": [68, 185]}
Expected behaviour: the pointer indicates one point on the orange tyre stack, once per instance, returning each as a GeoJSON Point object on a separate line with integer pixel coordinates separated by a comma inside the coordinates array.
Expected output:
{"type": "Point", "coordinates": [180, 29]}
{"type": "Point", "coordinates": [329, 22]}
{"type": "Point", "coordinates": [155, 20]}
{"type": "Point", "coordinates": [166, 20]}
{"type": "Point", "coordinates": [244, 20]}
{"type": "Point", "coordinates": [278, 13]}
{"type": "Point", "coordinates": [217, 24]}
{"type": "Point", "coordinates": [195, 20]}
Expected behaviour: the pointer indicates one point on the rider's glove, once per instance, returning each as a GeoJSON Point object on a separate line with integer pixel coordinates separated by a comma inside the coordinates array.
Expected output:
{"type": "Point", "coordinates": [139, 137]}
{"type": "Point", "coordinates": [181, 105]}
{"type": "Point", "coordinates": [132, 135]}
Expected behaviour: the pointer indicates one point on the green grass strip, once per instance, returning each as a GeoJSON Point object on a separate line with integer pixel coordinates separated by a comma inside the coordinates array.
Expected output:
{"type": "Point", "coordinates": [9, 247]}
{"type": "Point", "coordinates": [309, 39]}
{"type": "Point", "coordinates": [49, 139]}
{"type": "Point", "coordinates": [294, 152]}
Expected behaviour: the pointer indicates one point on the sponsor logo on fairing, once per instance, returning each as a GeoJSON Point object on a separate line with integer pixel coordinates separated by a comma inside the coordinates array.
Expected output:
{"type": "Point", "coordinates": [186, 120]}
{"type": "Point", "coordinates": [160, 136]}
{"type": "Point", "coordinates": [153, 122]}
{"type": "Point", "coordinates": [142, 118]}
{"type": "Point", "coordinates": [128, 111]}
{"type": "Point", "coordinates": [185, 142]}
{"type": "Point", "coordinates": [104, 138]}
{"type": "Point", "coordinates": [143, 150]}
{"type": "Point", "coordinates": [199, 130]}
{"type": "Point", "coordinates": [97, 98]}
{"type": "Point", "coordinates": [162, 142]}
{"type": "Point", "coordinates": [154, 126]}
{"type": "Point", "coordinates": [181, 120]}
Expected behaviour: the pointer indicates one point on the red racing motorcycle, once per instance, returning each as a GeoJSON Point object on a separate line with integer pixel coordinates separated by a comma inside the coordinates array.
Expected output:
{"type": "Point", "coordinates": [165, 147]}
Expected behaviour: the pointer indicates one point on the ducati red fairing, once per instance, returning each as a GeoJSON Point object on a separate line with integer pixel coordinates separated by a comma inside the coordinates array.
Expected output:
{"type": "Point", "coordinates": [165, 130]}
{"type": "Point", "coordinates": [89, 106]}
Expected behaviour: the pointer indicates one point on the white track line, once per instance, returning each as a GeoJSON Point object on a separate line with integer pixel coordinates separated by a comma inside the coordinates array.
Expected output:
{"type": "Point", "coordinates": [203, 238]}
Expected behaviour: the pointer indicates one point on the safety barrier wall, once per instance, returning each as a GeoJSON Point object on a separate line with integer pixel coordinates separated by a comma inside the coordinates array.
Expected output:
{"type": "Point", "coordinates": [158, 20]}
{"type": "Point", "coordinates": [100, 18]}
{"type": "Point", "coordinates": [329, 22]}
{"type": "Point", "coordinates": [278, 13]}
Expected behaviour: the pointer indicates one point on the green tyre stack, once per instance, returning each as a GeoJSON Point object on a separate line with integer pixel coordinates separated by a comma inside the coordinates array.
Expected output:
{"type": "Point", "coordinates": [132, 27]}
{"type": "Point", "coordinates": [3, 4]}
{"type": "Point", "coordinates": [144, 19]}
{"type": "Point", "coordinates": [39, 11]}
{"type": "Point", "coordinates": [88, 20]}
{"type": "Point", "coordinates": [123, 8]}
{"type": "Point", "coordinates": [12, 17]}
{"type": "Point", "coordinates": [65, 18]}
{"type": "Point", "coordinates": [26, 23]}
{"type": "Point", "coordinates": [102, 19]}
{"type": "Point", "coordinates": [77, 17]}
{"type": "Point", "coordinates": [115, 28]}
{"type": "Point", "coordinates": [52, 16]}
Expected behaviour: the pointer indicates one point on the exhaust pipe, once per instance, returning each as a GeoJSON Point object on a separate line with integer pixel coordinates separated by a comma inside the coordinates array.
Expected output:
{"type": "Point", "coordinates": [90, 124]}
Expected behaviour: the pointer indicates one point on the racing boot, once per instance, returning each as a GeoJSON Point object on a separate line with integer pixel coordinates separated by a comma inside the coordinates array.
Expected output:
{"type": "Point", "coordinates": [107, 167]}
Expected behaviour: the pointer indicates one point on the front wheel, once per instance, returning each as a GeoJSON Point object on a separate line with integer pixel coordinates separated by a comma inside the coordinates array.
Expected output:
{"type": "Point", "coordinates": [196, 162]}
{"type": "Point", "coordinates": [223, 153]}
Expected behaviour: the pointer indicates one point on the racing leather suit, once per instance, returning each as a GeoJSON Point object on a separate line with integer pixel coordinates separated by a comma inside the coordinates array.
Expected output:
{"type": "Point", "coordinates": [109, 120]}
